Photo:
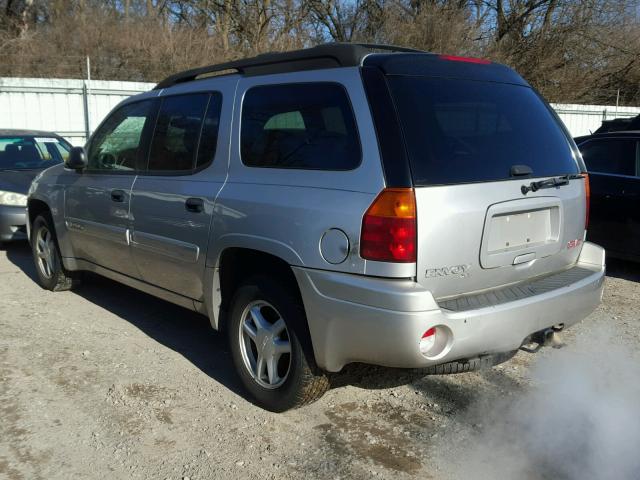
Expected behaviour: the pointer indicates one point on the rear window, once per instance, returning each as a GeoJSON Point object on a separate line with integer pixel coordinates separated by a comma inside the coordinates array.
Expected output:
{"type": "Point", "coordinates": [31, 153]}
{"type": "Point", "coordinates": [464, 131]}
{"type": "Point", "coordinates": [306, 126]}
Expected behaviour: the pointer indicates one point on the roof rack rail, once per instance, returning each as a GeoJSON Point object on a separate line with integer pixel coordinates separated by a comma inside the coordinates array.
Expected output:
{"type": "Point", "coordinates": [328, 55]}
{"type": "Point", "coordinates": [383, 47]}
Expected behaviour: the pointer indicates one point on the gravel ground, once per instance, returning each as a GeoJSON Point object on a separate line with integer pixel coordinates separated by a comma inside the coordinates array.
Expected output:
{"type": "Point", "coordinates": [108, 382]}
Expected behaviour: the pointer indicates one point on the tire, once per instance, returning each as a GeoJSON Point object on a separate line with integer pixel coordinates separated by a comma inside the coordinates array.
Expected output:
{"type": "Point", "coordinates": [471, 365]}
{"type": "Point", "coordinates": [50, 272]}
{"type": "Point", "coordinates": [265, 312]}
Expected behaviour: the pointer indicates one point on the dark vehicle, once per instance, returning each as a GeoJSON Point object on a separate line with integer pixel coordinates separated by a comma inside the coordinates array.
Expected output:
{"type": "Point", "coordinates": [23, 154]}
{"type": "Point", "coordinates": [619, 124]}
{"type": "Point", "coordinates": [613, 162]}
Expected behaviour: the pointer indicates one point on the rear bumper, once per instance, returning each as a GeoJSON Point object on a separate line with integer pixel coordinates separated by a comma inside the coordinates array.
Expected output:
{"type": "Point", "coordinates": [380, 321]}
{"type": "Point", "coordinates": [13, 222]}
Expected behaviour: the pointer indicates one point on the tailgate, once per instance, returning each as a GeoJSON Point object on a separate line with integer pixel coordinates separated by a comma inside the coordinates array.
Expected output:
{"type": "Point", "coordinates": [473, 144]}
{"type": "Point", "coordinates": [479, 236]}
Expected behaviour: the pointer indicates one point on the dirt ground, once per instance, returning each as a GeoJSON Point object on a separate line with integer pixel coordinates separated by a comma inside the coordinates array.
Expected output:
{"type": "Point", "coordinates": [108, 382]}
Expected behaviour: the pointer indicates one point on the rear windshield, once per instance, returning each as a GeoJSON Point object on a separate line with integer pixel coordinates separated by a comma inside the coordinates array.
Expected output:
{"type": "Point", "coordinates": [463, 131]}
{"type": "Point", "coordinates": [32, 153]}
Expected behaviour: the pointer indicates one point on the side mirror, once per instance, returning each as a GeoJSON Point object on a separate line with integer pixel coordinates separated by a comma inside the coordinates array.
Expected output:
{"type": "Point", "coordinates": [77, 159]}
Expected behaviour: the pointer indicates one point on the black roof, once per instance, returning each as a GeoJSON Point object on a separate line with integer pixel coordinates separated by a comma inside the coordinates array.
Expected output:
{"type": "Point", "coordinates": [618, 133]}
{"type": "Point", "coordinates": [8, 132]}
{"type": "Point", "coordinates": [434, 65]}
{"type": "Point", "coordinates": [619, 124]}
{"type": "Point", "coordinates": [329, 55]}
{"type": "Point", "coordinates": [389, 59]}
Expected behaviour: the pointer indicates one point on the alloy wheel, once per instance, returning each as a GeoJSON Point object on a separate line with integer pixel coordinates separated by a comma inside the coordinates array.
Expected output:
{"type": "Point", "coordinates": [265, 344]}
{"type": "Point", "coordinates": [45, 251]}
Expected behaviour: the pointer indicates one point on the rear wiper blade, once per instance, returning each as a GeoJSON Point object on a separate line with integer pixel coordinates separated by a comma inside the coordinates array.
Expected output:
{"type": "Point", "coordinates": [549, 183]}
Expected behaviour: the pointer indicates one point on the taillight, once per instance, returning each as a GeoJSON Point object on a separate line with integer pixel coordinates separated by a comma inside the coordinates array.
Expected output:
{"type": "Point", "coordinates": [389, 227]}
{"type": "Point", "coordinates": [453, 58]}
{"type": "Point", "coordinates": [587, 191]}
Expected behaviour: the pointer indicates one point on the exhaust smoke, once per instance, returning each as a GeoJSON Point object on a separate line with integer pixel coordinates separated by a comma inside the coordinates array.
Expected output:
{"type": "Point", "coordinates": [580, 419]}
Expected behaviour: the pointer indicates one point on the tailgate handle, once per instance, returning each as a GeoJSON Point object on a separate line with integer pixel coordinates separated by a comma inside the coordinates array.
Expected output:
{"type": "Point", "coordinates": [527, 257]}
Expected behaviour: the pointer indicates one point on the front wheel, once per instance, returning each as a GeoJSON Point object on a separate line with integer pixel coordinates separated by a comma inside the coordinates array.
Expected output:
{"type": "Point", "coordinates": [267, 352]}
{"type": "Point", "coordinates": [46, 255]}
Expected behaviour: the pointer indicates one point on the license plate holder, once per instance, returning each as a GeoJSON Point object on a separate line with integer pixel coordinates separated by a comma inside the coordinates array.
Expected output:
{"type": "Point", "coordinates": [512, 231]}
{"type": "Point", "coordinates": [519, 227]}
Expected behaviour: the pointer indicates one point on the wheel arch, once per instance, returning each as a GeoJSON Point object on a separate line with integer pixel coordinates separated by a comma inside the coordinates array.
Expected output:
{"type": "Point", "coordinates": [235, 265]}
{"type": "Point", "coordinates": [35, 207]}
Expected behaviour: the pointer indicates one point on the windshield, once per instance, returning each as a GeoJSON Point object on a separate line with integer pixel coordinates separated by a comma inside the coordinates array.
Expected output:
{"type": "Point", "coordinates": [463, 131]}
{"type": "Point", "coordinates": [32, 153]}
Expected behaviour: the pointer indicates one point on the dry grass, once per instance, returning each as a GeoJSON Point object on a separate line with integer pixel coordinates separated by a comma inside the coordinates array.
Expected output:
{"type": "Point", "coordinates": [572, 51]}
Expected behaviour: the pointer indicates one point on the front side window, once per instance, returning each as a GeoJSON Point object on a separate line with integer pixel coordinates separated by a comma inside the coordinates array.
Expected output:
{"type": "Point", "coordinates": [32, 153]}
{"type": "Point", "coordinates": [305, 126]}
{"type": "Point", "coordinates": [117, 145]}
{"type": "Point", "coordinates": [611, 155]}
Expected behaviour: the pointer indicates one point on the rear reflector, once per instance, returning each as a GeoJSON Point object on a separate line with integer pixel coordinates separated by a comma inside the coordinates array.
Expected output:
{"type": "Point", "coordinates": [389, 227]}
{"type": "Point", "coordinates": [453, 58]}
{"type": "Point", "coordinates": [587, 191]}
{"type": "Point", "coordinates": [436, 342]}
{"type": "Point", "coordinates": [428, 341]}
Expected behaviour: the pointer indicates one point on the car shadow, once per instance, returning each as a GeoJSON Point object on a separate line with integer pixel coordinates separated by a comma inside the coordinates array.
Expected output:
{"type": "Point", "coordinates": [191, 335]}
{"type": "Point", "coordinates": [441, 389]}
{"type": "Point", "coordinates": [623, 269]}
{"type": "Point", "coordinates": [19, 253]}
{"type": "Point", "coordinates": [183, 331]}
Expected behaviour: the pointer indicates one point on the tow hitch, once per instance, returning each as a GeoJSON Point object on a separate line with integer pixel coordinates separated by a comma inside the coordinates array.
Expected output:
{"type": "Point", "coordinates": [549, 337]}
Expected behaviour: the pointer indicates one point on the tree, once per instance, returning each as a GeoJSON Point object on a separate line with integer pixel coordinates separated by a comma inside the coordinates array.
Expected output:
{"type": "Point", "coordinates": [16, 16]}
{"type": "Point", "coordinates": [571, 50]}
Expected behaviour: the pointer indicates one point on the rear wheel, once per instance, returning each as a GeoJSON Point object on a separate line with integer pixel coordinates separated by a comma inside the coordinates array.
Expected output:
{"type": "Point", "coordinates": [267, 352]}
{"type": "Point", "coordinates": [471, 365]}
{"type": "Point", "coordinates": [46, 255]}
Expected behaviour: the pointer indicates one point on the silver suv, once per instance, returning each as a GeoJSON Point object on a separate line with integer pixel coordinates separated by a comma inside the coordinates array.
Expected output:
{"type": "Point", "coordinates": [344, 203]}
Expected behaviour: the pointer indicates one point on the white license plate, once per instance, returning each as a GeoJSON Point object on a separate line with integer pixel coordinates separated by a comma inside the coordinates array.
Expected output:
{"type": "Point", "coordinates": [512, 231]}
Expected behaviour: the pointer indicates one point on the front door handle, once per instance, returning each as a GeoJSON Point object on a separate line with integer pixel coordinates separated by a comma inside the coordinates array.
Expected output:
{"type": "Point", "coordinates": [117, 196]}
{"type": "Point", "coordinates": [195, 205]}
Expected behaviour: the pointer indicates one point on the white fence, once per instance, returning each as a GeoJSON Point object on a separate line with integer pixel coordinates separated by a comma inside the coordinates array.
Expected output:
{"type": "Point", "coordinates": [584, 119]}
{"type": "Point", "coordinates": [71, 108]}
{"type": "Point", "coordinates": [74, 108]}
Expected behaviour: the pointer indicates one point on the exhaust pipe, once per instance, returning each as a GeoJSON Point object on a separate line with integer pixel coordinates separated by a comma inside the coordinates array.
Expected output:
{"type": "Point", "coordinates": [549, 337]}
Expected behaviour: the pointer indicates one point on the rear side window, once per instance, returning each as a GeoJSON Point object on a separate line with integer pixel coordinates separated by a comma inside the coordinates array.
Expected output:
{"type": "Point", "coordinates": [209, 135]}
{"type": "Point", "coordinates": [464, 131]}
{"type": "Point", "coordinates": [611, 155]}
{"type": "Point", "coordinates": [175, 139]}
{"type": "Point", "coordinates": [305, 126]}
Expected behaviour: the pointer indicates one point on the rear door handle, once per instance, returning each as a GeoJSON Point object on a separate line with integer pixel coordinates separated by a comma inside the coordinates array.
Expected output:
{"type": "Point", "coordinates": [195, 205]}
{"type": "Point", "coordinates": [117, 196]}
